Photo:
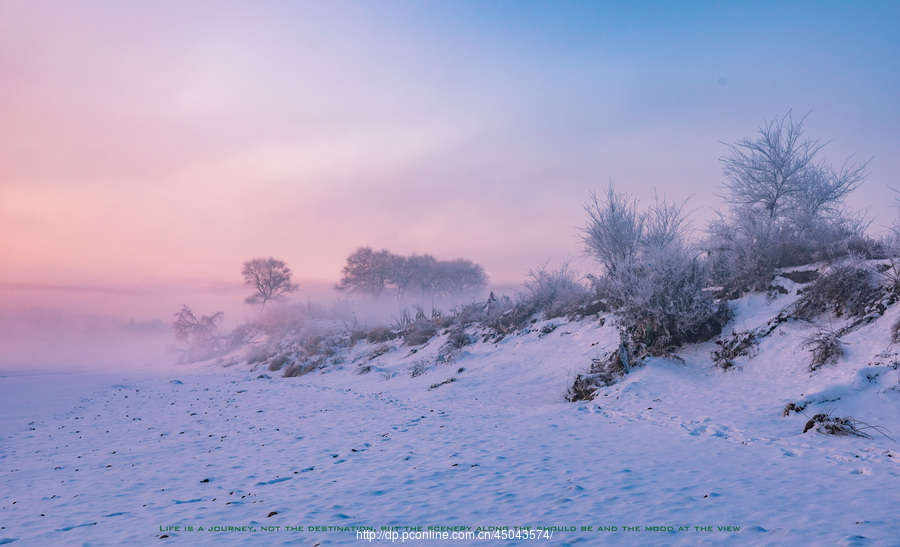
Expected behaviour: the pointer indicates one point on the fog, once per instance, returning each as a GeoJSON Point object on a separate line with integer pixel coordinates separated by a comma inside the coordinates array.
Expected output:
{"type": "Point", "coordinates": [53, 329]}
{"type": "Point", "coordinates": [96, 328]}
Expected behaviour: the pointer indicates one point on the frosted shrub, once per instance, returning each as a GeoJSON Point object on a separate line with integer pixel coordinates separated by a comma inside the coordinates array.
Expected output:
{"type": "Point", "coordinates": [654, 279]}
{"type": "Point", "coordinates": [419, 333]}
{"type": "Point", "coordinates": [825, 349]}
{"type": "Point", "coordinates": [278, 361]}
{"type": "Point", "coordinates": [890, 244]}
{"type": "Point", "coordinates": [848, 288]}
{"type": "Point", "coordinates": [662, 301]}
{"type": "Point", "coordinates": [378, 335]}
{"type": "Point", "coordinates": [555, 292]}
{"type": "Point", "coordinates": [828, 424]}
{"type": "Point", "coordinates": [473, 312]}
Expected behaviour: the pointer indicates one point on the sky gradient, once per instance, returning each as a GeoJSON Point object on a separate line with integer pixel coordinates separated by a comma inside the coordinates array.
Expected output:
{"type": "Point", "coordinates": [149, 148]}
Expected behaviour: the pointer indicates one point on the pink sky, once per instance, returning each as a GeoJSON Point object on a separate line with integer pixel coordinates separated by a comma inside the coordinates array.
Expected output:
{"type": "Point", "coordinates": [149, 148]}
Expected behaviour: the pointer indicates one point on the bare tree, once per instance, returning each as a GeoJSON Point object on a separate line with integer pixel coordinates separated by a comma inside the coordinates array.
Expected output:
{"type": "Point", "coordinates": [367, 271]}
{"type": "Point", "coordinates": [270, 279]}
{"type": "Point", "coordinates": [377, 272]}
{"type": "Point", "coordinates": [402, 273]}
{"type": "Point", "coordinates": [462, 276]}
{"type": "Point", "coordinates": [428, 277]}
{"type": "Point", "coordinates": [196, 337]}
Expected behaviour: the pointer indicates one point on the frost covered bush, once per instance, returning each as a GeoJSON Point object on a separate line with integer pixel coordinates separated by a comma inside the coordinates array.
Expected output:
{"type": "Point", "coordinates": [514, 318]}
{"type": "Point", "coordinates": [259, 354]}
{"type": "Point", "coordinates": [556, 293]}
{"type": "Point", "coordinates": [602, 372]}
{"type": "Point", "coordinates": [500, 314]}
{"type": "Point", "coordinates": [828, 424]}
{"type": "Point", "coordinates": [847, 288]}
{"type": "Point", "coordinates": [298, 369]}
{"type": "Point", "coordinates": [825, 349]}
{"type": "Point", "coordinates": [662, 301]}
{"type": "Point", "coordinates": [458, 339]}
{"type": "Point", "coordinates": [419, 333]}
{"type": "Point", "coordinates": [738, 345]}
{"type": "Point", "coordinates": [278, 361]}
{"type": "Point", "coordinates": [890, 245]}
{"type": "Point", "coordinates": [379, 351]}
{"type": "Point", "coordinates": [377, 335]}
{"type": "Point", "coordinates": [418, 368]}
{"type": "Point", "coordinates": [654, 278]}
{"type": "Point", "coordinates": [473, 312]}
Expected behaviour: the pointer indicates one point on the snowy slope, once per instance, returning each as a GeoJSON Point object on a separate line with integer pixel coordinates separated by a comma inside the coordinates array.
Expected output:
{"type": "Point", "coordinates": [673, 445]}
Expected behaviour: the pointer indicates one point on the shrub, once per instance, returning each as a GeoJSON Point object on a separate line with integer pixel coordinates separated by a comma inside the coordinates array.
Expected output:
{"type": "Point", "coordinates": [198, 338]}
{"type": "Point", "coordinates": [419, 333]}
{"type": "Point", "coordinates": [259, 354]}
{"type": "Point", "coordinates": [439, 384]}
{"type": "Point", "coordinates": [377, 335]}
{"type": "Point", "coordinates": [473, 312]}
{"type": "Point", "coordinates": [653, 279]}
{"type": "Point", "coordinates": [828, 424]}
{"type": "Point", "coordinates": [582, 389]}
{"type": "Point", "coordinates": [662, 301]}
{"type": "Point", "coordinates": [419, 368]}
{"type": "Point", "coordinates": [847, 288]}
{"type": "Point", "coordinates": [278, 361]}
{"type": "Point", "coordinates": [602, 372]}
{"type": "Point", "coordinates": [356, 335]}
{"type": "Point", "coordinates": [801, 276]}
{"type": "Point", "coordinates": [298, 369]}
{"type": "Point", "coordinates": [555, 292]}
{"type": "Point", "coordinates": [379, 351]}
{"type": "Point", "coordinates": [825, 347]}
{"type": "Point", "coordinates": [458, 339]}
{"type": "Point", "coordinates": [740, 344]}
{"type": "Point", "coordinates": [513, 318]}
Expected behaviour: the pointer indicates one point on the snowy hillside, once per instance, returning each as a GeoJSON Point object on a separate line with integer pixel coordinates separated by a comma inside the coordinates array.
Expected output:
{"type": "Point", "coordinates": [441, 437]}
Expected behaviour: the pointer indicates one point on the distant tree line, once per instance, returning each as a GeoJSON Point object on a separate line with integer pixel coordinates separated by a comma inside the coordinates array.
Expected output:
{"type": "Point", "coordinates": [378, 273]}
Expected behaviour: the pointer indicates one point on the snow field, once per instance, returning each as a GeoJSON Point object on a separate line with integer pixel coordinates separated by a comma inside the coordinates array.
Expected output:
{"type": "Point", "coordinates": [672, 445]}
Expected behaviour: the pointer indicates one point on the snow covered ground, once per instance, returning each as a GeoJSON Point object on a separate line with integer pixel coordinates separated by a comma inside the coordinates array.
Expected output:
{"type": "Point", "coordinates": [677, 453]}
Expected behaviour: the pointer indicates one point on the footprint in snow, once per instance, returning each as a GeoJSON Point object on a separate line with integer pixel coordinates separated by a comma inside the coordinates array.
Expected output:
{"type": "Point", "coordinates": [67, 528]}
{"type": "Point", "coordinates": [273, 481]}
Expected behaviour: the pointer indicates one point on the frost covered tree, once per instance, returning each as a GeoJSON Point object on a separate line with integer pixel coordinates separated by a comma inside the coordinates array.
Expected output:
{"type": "Point", "coordinates": [269, 278]}
{"type": "Point", "coordinates": [785, 205]}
